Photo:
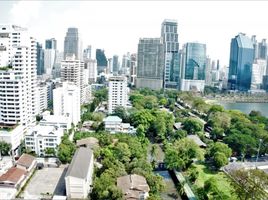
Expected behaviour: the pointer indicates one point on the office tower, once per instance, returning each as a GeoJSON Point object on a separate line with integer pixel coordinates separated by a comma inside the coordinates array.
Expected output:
{"type": "Point", "coordinates": [255, 46]}
{"type": "Point", "coordinates": [40, 59]}
{"type": "Point", "coordinates": [171, 57]}
{"type": "Point", "coordinates": [125, 64]}
{"type": "Point", "coordinates": [101, 60]}
{"type": "Point", "coordinates": [133, 69]}
{"type": "Point", "coordinates": [258, 71]}
{"type": "Point", "coordinates": [208, 74]}
{"type": "Point", "coordinates": [17, 83]}
{"type": "Point", "coordinates": [262, 49]}
{"type": "Point", "coordinates": [240, 65]}
{"type": "Point", "coordinates": [109, 66]}
{"type": "Point", "coordinates": [49, 61]}
{"type": "Point", "coordinates": [72, 70]}
{"type": "Point", "coordinates": [150, 63]}
{"type": "Point", "coordinates": [193, 67]}
{"type": "Point", "coordinates": [117, 92]}
{"type": "Point", "coordinates": [87, 52]}
{"type": "Point", "coordinates": [91, 71]}
{"type": "Point", "coordinates": [73, 44]}
{"type": "Point", "coordinates": [115, 65]}
{"type": "Point", "coordinates": [57, 65]}
{"type": "Point", "coordinates": [66, 101]}
{"type": "Point", "coordinates": [51, 43]}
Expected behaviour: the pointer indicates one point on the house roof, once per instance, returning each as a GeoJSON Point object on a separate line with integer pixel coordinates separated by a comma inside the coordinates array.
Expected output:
{"type": "Point", "coordinates": [13, 175]}
{"type": "Point", "coordinates": [132, 185]}
{"type": "Point", "coordinates": [112, 119]}
{"type": "Point", "coordinates": [26, 160]}
{"type": "Point", "coordinates": [197, 140]}
{"type": "Point", "coordinates": [79, 166]}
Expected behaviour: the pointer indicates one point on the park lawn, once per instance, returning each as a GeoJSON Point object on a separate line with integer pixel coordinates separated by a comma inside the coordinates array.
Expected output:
{"type": "Point", "coordinates": [222, 180]}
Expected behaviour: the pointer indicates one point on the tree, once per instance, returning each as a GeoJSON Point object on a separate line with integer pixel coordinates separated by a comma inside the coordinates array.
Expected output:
{"type": "Point", "coordinates": [249, 184]}
{"type": "Point", "coordinates": [163, 101]}
{"type": "Point", "coordinates": [220, 160]}
{"type": "Point", "coordinates": [122, 152]}
{"type": "Point", "coordinates": [50, 152]}
{"type": "Point", "coordinates": [217, 133]}
{"type": "Point", "coordinates": [150, 102]}
{"type": "Point", "coordinates": [121, 112]}
{"type": "Point", "coordinates": [66, 150]}
{"type": "Point", "coordinates": [143, 117]}
{"type": "Point", "coordinates": [192, 125]}
{"type": "Point", "coordinates": [181, 153]}
{"type": "Point", "coordinates": [4, 148]}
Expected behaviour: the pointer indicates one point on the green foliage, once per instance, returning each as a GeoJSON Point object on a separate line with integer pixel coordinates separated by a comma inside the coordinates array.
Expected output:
{"type": "Point", "coordinates": [121, 112]}
{"type": "Point", "coordinates": [50, 152]}
{"type": "Point", "coordinates": [66, 150]}
{"type": "Point", "coordinates": [142, 117]}
{"type": "Point", "coordinates": [181, 153]}
{"type": "Point", "coordinates": [220, 160]}
{"type": "Point", "coordinates": [192, 125]}
{"type": "Point", "coordinates": [5, 148]}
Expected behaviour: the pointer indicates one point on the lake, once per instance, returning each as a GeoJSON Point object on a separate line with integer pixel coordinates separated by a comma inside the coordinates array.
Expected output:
{"type": "Point", "coordinates": [246, 107]}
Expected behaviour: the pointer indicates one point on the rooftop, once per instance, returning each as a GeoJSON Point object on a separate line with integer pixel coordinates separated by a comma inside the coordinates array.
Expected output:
{"type": "Point", "coordinates": [13, 175]}
{"type": "Point", "coordinates": [197, 140]}
{"type": "Point", "coordinates": [79, 166]}
{"type": "Point", "coordinates": [26, 160]}
{"type": "Point", "coordinates": [55, 119]}
{"type": "Point", "coordinates": [112, 119]}
{"type": "Point", "coordinates": [89, 141]}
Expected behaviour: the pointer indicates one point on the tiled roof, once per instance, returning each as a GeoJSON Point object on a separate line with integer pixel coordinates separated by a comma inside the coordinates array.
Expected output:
{"type": "Point", "coordinates": [26, 160]}
{"type": "Point", "coordinates": [13, 175]}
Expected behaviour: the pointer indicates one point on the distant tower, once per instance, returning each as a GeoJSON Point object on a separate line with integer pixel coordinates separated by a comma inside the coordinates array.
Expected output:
{"type": "Point", "coordinates": [241, 60]}
{"type": "Point", "coordinates": [150, 63]}
{"type": "Point", "coordinates": [87, 52]}
{"type": "Point", "coordinates": [40, 59]}
{"type": "Point", "coordinates": [51, 43]}
{"type": "Point", "coordinates": [101, 60]}
{"type": "Point", "coordinates": [171, 48]}
{"type": "Point", "coordinates": [262, 49]}
{"type": "Point", "coordinates": [115, 65]}
{"type": "Point", "coordinates": [73, 44]}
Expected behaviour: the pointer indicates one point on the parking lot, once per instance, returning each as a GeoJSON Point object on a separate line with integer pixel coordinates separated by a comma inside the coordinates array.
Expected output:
{"type": "Point", "coordinates": [46, 182]}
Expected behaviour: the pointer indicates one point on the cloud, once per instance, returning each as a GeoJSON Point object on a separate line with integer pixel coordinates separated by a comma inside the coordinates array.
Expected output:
{"type": "Point", "coordinates": [24, 12]}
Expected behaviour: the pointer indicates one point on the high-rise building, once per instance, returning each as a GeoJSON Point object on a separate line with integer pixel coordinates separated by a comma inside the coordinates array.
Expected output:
{"type": "Point", "coordinates": [91, 71]}
{"type": "Point", "coordinates": [125, 64]}
{"type": "Point", "coordinates": [117, 92]}
{"type": "Point", "coordinates": [193, 67]}
{"type": "Point", "coordinates": [255, 46]}
{"type": "Point", "coordinates": [262, 49]}
{"type": "Point", "coordinates": [49, 61]}
{"type": "Point", "coordinates": [115, 65]}
{"type": "Point", "coordinates": [51, 43]}
{"type": "Point", "coordinates": [73, 44]}
{"type": "Point", "coordinates": [208, 74]}
{"type": "Point", "coordinates": [133, 69]}
{"type": "Point", "coordinates": [150, 63]}
{"type": "Point", "coordinates": [87, 52]}
{"type": "Point", "coordinates": [240, 65]}
{"type": "Point", "coordinates": [171, 47]}
{"type": "Point", "coordinates": [66, 101]}
{"type": "Point", "coordinates": [40, 59]}
{"type": "Point", "coordinates": [41, 97]}
{"type": "Point", "coordinates": [72, 70]}
{"type": "Point", "coordinates": [17, 83]}
{"type": "Point", "coordinates": [258, 71]}
{"type": "Point", "coordinates": [101, 60]}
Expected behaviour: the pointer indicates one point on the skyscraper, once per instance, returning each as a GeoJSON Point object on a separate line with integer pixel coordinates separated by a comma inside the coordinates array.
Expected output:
{"type": "Point", "coordinates": [87, 52]}
{"type": "Point", "coordinates": [171, 48]}
{"type": "Point", "coordinates": [193, 67]}
{"type": "Point", "coordinates": [101, 60]}
{"type": "Point", "coordinates": [40, 59]}
{"type": "Point", "coordinates": [150, 63]}
{"type": "Point", "coordinates": [262, 49]}
{"type": "Point", "coordinates": [73, 44]}
{"type": "Point", "coordinates": [240, 65]}
{"type": "Point", "coordinates": [115, 65]}
{"type": "Point", "coordinates": [51, 43]}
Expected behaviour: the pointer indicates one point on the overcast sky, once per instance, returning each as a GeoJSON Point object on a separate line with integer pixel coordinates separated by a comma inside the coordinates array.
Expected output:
{"type": "Point", "coordinates": [116, 26]}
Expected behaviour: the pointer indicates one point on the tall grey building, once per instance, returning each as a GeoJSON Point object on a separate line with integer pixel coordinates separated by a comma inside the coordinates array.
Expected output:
{"type": "Point", "coordinates": [51, 43]}
{"type": "Point", "coordinates": [40, 59]}
{"type": "Point", "coordinates": [240, 65]}
{"type": "Point", "coordinates": [262, 49]}
{"type": "Point", "coordinates": [150, 63]}
{"type": "Point", "coordinates": [87, 52]}
{"type": "Point", "coordinates": [73, 44]}
{"type": "Point", "coordinates": [171, 57]}
{"type": "Point", "coordinates": [115, 65]}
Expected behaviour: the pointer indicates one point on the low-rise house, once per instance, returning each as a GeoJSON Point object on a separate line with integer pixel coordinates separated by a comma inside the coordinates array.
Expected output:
{"type": "Point", "coordinates": [13, 178]}
{"type": "Point", "coordinates": [41, 138]}
{"type": "Point", "coordinates": [26, 162]}
{"type": "Point", "coordinates": [197, 140]}
{"type": "Point", "coordinates": [114, 124]}
{"type": "Point", "coordinates": [134, 187]}
{"type": "Point", "coordinates": [78, 178]}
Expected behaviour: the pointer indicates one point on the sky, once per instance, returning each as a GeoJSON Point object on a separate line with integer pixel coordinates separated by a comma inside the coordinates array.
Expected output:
{"type": "Point", "coordinates": [116, 26]}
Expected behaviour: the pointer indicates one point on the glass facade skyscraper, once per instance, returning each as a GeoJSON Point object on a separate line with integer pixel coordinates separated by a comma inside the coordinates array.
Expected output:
{"type": "Point", "coordinates": [51, 43]}
{"type": "Point", "coordinates": [40, 59]}
{"type": "Point", "coordinates": [195, 61]}
{"type": "Point", "coordinates": [171, 54]}
{"type": "Point", "coordinates": [240, 65]}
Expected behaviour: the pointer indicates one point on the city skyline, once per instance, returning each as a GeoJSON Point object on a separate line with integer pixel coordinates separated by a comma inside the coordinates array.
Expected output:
{"type": "Point", "coordinates": [116, 26]}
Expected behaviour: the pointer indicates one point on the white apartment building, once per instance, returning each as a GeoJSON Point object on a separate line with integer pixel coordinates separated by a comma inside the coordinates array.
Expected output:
{"type": "Point", "coordinates": [39, 138]}
{"type": "Point", "coordinates": [17, 78]}
{"type": "Point", "coordinates": [49, 61]}
{"type": "Point", "coordinates": [41, 97]}
{"type": "Point", "coordinates": [72, 70]}
{"type": "Point", "coordinates": [66, 101]}
{"type": "Point", "coordinates": [62, 122]}
{"type": "Point", "coordinates": [91, 72]}
{"type": "Point", "coordinates": [13, 135]}
{"type": "Point", "coordinates": [118, 92]}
